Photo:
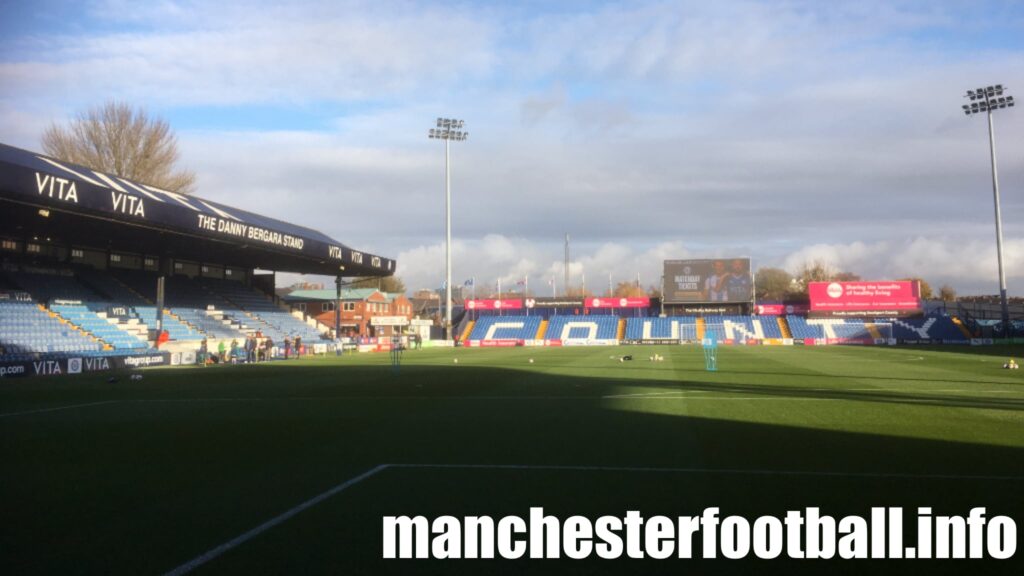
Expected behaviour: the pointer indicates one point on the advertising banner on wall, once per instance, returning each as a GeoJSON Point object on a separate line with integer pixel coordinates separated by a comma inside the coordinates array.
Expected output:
{"type": "Point", "coordinates": [81, 365]}
{"type": "Point", "coordinates": [859, 299]}
{"type": "Point", "coordinates": [552, 303]}
{"type": "Point", "coordinates": [711, 280]}
{"type": "Point", "coordinates": [632, 302]}
{"type": "Point", "coordinates": [509, 304]}
{"type": "Point", "coordinates": [780, 309]}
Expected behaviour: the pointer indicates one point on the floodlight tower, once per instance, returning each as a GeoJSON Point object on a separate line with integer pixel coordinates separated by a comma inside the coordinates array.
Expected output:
{"type": "Point", "coordinates": [448, 129]}
{"type": "Point", "coordinates": [989, 100]}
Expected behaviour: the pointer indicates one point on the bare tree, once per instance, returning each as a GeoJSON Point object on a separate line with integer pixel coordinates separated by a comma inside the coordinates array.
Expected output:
{"type": "Point", "coordinates": [628, 290]}
{"type": "Point", "coordinates": [773, 284]}
{"type": "Point", "coordinates": [947, 293]}
{"type": "Point", "coordinates": [121, 140]}
{"type": "Point", "coordinates": [388, 284]}
{"type": "Point", "coordinates": [926, 288]}
{"type": "Point", "coordinates": [818, 271]}
{"type": "Point", "coordinates": [578, 292]}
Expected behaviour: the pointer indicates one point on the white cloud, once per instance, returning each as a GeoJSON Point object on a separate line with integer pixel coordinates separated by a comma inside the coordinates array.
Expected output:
{"type": "Point", "coordinates": [509, 259]}
{"type": "Point", "coordinates": [647, 130]}
{"type": "Point", "coordinates": [965, 263]}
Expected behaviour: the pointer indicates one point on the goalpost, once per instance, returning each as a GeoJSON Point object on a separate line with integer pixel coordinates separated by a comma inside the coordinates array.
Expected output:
{"type": "Point", "coordinates": [885, 332]}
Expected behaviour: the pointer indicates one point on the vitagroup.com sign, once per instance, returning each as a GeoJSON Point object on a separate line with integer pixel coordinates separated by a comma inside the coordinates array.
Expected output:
{"type": "Point", "coordinates": [143, 361]}
{"type": "Point", "coordinates": [80, 365]}
{"type": "Point", "coordinates": [10, 370]}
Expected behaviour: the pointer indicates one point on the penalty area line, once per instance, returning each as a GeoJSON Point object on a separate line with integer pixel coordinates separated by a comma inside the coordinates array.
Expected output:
{"type": "Point", "coordinates": [213, 553]}
{"type": "Point", "coordinates": [245, 537]}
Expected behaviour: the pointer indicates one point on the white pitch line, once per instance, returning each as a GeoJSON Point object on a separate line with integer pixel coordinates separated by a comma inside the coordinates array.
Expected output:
{"type": "Point", "coordinates": [69, 407]}
{"type": "Point", "coordinates": [243, 538]}
{"type": "Point", "coordinates": [213, 553]}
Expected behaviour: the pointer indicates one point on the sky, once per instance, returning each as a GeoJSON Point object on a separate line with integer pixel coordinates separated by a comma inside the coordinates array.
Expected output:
{"type": "Point", "coordinates": [788, 132]}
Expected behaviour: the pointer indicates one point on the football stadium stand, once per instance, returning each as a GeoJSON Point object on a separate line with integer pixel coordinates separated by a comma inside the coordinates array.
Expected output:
{"type": "Point", "coordinates": [113, 311]}
{"type": "Point", "coordinates": [935, 328]}
{"type": "Point", "coordinates": [91, 264]}
{"type": "Point", "coordinates": [740, 328]}
{"type": "Point", "coordinates": [219, 308]}
{"type": "Point", "coordinates": [506, 328]}
{"type": "Point", "coordinates": [928, 328]}
{"type": "Point", "coordinates": [29, 329]}
{"type": "Point", "coordinates": [669, 329]}
{"type": "Point", "coordinates": [82, 254]}
{"type": "Point", "coordinates": [594, 327]}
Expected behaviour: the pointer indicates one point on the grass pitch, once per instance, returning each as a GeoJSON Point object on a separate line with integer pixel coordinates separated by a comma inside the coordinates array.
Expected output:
{"type": "Point", "coordinates": [142, 477]}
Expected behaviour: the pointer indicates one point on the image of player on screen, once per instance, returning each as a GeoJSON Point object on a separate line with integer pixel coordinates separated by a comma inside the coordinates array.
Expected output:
{"type": "Point", "coordinates": [739, 284]}
{"type": "Point", "coordinates": [715, 289]}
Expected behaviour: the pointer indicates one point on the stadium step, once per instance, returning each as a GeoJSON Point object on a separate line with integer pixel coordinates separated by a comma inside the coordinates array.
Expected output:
{"type": "Point", "coordinates": [873, 330]}
{"type": "Point", "coordinates": [701, 327]}
{"type": "Point", "coordinates": [70, 324]}
{"type": "Point", "coordinates": [959, 324]}
{"type": "Point", "coordinates": [783, 327]}
{"type": "Point", "coordinates": [542, 329]}
{"type": "Point", "coordinates": [621, 333]}
{"type": "Point", "coordinates": [188, 324]}
{"type": "Point", "coordinates": [467, 331]}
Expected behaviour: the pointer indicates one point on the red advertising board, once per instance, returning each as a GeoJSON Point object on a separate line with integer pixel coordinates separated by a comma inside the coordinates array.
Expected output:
{"type": "Point", "coordinates": [494, 304]}
{"type": "Point", "coordinates": [496, 343]}
{"type": "Point", "coordinates": [780, 309]}
{"type": "Point", "coordinates": [635, 302]}
{"type": "Point", "coordinates": [899, 298]}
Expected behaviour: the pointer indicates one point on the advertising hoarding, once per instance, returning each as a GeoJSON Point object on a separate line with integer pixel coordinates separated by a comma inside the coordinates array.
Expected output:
{"type": "Point", "coordinates": [630, 302]}
{"type": "Point", "coordinates": [510, 304]}
{"type": "Point", "coordinates": [708, 280]}
{"type": "Point", "coordinates": [780, 309]}
{"type": "Point", "coordinates": [880, 299]}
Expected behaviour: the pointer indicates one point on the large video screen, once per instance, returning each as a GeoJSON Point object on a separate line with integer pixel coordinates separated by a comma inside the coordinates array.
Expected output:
{"type": "Point", "coordinates": [711, 280]}
{"type": "Point", "coordinates": [899, 298]}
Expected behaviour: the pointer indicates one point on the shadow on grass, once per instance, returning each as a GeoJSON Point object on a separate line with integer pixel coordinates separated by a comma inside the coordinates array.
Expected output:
{"type": "Point", "coordinates": [188, 459]}
{"type": "Point", "coordinates": [879, 395]}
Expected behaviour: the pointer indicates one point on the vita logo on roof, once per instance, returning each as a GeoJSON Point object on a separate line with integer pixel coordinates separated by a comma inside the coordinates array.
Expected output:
{"type": "Point", "coordinates": [54, 187]}
{"type": "Point", "coordinates": [128, 204]}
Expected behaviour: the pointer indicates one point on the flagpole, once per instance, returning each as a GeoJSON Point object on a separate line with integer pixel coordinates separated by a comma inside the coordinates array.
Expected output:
{"type": "Point", "coordinates": [526, 290]}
